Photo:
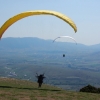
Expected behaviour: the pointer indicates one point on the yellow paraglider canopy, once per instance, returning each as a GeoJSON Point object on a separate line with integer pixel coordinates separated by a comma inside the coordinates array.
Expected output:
{"type": "Point", "coordinates": [17, 17]}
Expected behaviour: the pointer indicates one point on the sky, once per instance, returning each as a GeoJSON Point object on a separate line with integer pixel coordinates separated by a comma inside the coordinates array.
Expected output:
{"type": "Point", "coordinates": [84, 13]}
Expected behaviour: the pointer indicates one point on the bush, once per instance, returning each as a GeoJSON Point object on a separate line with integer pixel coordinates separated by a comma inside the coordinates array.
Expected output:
{"type": "Point", "coordinates": [90, 89]}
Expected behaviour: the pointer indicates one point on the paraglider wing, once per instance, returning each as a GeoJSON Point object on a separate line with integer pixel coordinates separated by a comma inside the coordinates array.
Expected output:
{"type": "Point", "coordinates": [55, 39]}
{"type": "Point", "coordinates": [15, 18]}
{"type": "Point", "coordinates": [65, 37]}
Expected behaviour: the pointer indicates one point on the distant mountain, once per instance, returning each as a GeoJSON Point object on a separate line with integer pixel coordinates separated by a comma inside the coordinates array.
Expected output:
{"type": "Point", "coordinates": [33, 42]}
{"type": "Point", "coordinates": [46, 45]}
{"type": "Point", "coordinates": [21, 43]}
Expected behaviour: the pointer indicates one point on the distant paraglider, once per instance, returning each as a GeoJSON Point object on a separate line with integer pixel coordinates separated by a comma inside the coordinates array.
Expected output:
{"type": "Point", "coordinates": [19, 16]}
{"type": "Point", "coordinates": [65, 37]}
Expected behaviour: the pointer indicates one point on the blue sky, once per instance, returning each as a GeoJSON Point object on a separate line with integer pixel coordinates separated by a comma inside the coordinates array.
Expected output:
{"type": "Point", "coordinates": [85, 14]}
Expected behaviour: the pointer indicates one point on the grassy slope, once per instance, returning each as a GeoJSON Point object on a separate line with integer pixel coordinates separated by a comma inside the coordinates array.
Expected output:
{"type": "Point", "coordinates": [13, 89]}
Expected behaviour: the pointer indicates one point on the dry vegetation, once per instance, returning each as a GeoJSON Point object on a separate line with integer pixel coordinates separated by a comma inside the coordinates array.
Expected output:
{"type": "Point", "coordinates": [13, 89]}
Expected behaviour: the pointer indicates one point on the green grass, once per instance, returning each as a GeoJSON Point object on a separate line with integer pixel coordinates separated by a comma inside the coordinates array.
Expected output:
{"type": "Point", "coordinates": [13, 89]}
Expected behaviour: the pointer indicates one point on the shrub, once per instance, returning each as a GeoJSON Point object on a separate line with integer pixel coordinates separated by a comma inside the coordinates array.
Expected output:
{"type": "Point", "coordinates": [90, 89]}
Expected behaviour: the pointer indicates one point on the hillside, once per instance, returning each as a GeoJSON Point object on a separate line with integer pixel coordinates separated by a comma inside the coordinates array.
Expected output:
{"type": "Point", "coordinates": [13, 89]}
